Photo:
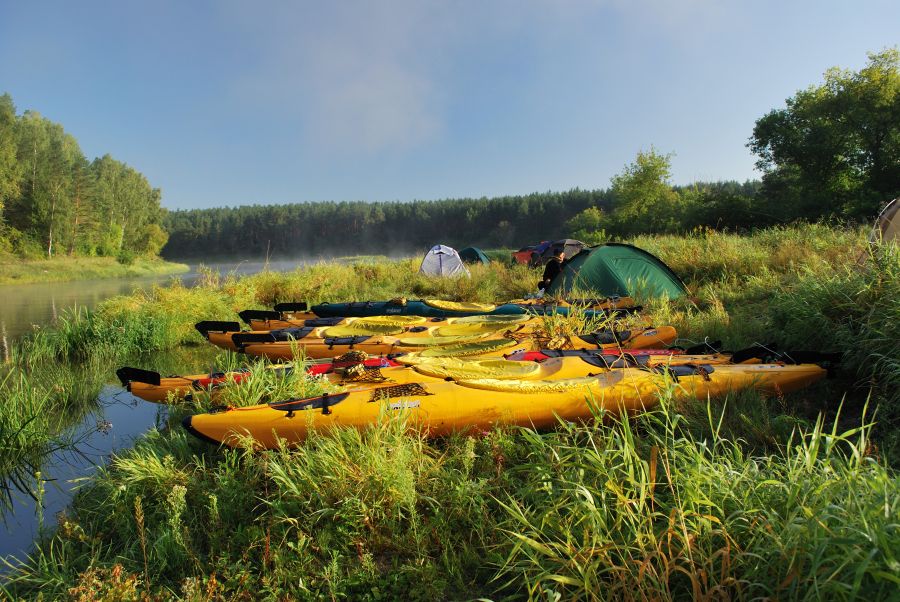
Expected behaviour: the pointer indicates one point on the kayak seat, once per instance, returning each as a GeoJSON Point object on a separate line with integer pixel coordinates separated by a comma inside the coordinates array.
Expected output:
{"type": "Point", "coordinates": [340, 341]}
{"type": "Point", "coordinates": [296, 405]}
{"type": "Point", "coordinates": [606, 337]}
{"type": "Point", "coordinates": [291, 334]}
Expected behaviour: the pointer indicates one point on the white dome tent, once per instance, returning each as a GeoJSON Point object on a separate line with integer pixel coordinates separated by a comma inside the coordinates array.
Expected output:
{"type": "Point", "coordinates": [444, 261]}
{"type": "Point", "coordinates": [887, 226]}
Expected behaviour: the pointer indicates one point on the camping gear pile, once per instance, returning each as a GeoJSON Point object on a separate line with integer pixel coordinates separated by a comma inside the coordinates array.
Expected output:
{"type": "Point", "coordinates": [454, 366]}
{"type": "Point", "coordinates": [541, 253]}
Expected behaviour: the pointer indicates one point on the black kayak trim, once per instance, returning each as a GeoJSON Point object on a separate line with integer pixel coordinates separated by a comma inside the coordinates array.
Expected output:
{"type": "Point", "coordinates": [128, 375]}
{"type": "Point", "coordinates": [207, 326]}
{"type": "Point", "coordinates": [245, 338]}
{"type": "Point", "coordinates": [186, 423]}
{"type": "Point", "coordinates": [291, 307]}
{"type": "Point", "coordinates": [258, 314]}
{"type": "Point", "coordinates": [324, 402]}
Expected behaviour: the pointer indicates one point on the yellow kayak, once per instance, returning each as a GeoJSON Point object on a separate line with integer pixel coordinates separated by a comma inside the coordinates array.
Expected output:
{"type": "Point", "coordinates": [222, 334]}
{"type": "Point", "coordinates": [452, 346]}
{"type": "Point", "coordinates": [412, 367]}
{"type": "Point", "coordinates": [291, 315]}
{"type": "Point", "coordinates": [444, 407]}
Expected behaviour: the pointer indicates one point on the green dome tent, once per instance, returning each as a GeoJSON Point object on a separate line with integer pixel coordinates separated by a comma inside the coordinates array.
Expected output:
{"type": "Point", "coordinates": [617, 269]}
{"type": "Point", "coordinates": [474, 255]}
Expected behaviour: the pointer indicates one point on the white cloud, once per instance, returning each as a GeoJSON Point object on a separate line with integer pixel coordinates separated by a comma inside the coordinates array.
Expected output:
{"type": "Point", "coordinates": [358, 76]}
{"type": "Point", "coordinates": [368, 77]}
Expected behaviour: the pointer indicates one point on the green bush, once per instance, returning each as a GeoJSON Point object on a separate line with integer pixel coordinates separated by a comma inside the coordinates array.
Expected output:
{"type": "Point", "coordinates": [126, 257]}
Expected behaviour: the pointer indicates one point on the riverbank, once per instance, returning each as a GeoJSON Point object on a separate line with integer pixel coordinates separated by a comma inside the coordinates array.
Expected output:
{"type": "Point", "coordinates": [742, 498]}
{"type": "Point", "coordinates": [64, 269]}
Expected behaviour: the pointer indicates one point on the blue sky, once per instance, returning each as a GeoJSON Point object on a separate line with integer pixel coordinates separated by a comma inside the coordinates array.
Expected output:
{"type": "Point", "coordinates": [230, 103]}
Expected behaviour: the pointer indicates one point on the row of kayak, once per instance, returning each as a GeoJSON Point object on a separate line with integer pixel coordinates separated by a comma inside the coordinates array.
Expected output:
{"type": "Point", "coordinates": [460, 337]}
{"type": "Point", "coordinates": [458, 372]}
{"type": "Point", "coordinates": [432, 308]}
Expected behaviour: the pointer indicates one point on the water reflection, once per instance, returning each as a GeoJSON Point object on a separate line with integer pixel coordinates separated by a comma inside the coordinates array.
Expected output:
{"type": "Point", "coordinates": [113, 426]}
{"type": "Point", "coordinates": [108, 426]}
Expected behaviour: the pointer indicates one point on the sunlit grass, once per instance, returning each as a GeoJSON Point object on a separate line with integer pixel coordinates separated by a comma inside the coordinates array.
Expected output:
{"type": "Point", "coordinates": [15, 270]}
{"type": "Point", "coordinates": [651, 507]}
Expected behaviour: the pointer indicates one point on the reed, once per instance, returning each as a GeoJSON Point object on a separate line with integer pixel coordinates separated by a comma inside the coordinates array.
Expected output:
{"type": "Point", "coordinates": [40, 405]}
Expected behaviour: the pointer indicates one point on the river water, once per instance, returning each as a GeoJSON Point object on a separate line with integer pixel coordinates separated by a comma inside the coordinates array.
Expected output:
{"type": "Point", "coordinates": [118, 418]}
{"type": "Point", "coordinates": [26, 305]}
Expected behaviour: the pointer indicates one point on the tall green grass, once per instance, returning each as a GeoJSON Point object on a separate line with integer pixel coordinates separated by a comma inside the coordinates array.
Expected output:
{"type": "Point", "coordinates": [648, 508]}
{"type": "Point", "coordinates": [263, 384]}
{"type": "Point", "coordinates": [41, 404]}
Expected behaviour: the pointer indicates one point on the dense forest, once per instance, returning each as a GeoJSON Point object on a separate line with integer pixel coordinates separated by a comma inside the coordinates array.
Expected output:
{"type": "Point", "coordinates": [54, 201]}
{"type": "Point", "coordinates": [348, 228]}
{"type": "Point", "coordinates": [832, 153]}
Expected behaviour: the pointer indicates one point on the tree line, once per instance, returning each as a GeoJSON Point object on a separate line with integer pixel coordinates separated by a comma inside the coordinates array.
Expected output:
{"type": "Point", "coordinates": [347, 228]}
{"type": "Point", "coordinates": [634, 204]}
{"type": "Point", "coordinates": [832, 152]}
{"type": "Point", "coordinates": [54, 201]}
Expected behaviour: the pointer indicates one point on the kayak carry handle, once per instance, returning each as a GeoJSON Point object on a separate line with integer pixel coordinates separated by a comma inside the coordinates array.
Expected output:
{"type": "Point", "coordinates": [207, 326]}
{"type": "Point", "coordinates": [310, 403]}
{"type": "Point", "coordinates": [258, 314]}
{"type": "Point", "coordinates": [129, 375]}
{"type": "Point", "coordinates": [291, 307]}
